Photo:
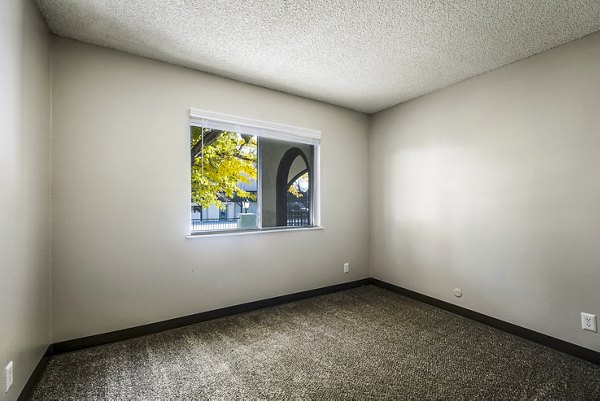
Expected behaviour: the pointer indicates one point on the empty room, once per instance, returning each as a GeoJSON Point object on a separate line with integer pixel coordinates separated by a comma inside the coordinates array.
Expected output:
{"type": "Point", "coordinates": [312, 199]}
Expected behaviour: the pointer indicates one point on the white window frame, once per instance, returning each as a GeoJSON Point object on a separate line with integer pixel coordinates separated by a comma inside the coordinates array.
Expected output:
{"type": "Point", "coordinates": [265, 129]}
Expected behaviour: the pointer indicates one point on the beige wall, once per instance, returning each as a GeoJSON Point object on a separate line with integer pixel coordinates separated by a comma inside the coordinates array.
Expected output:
{"type": "Point", "coordinates": [121, 196]}
{"type": "Point", "coordinates": [492, 186]}
{"type": "Point", "coordinates": [24, 191]}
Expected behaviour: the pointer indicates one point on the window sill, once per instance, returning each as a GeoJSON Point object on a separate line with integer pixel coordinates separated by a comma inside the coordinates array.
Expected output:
{"type": "Point", "coordinates": [203, 234]}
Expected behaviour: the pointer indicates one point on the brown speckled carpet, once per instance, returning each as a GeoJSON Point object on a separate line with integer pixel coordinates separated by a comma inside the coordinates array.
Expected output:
{"type": "Point", "coordinates": [358, 344]}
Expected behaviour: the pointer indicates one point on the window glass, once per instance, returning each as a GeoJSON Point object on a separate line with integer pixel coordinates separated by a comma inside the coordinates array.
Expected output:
{"type": "Point", "coordinates": [285, 175]}
{"type": "Point", "coordinates": [241, 181]}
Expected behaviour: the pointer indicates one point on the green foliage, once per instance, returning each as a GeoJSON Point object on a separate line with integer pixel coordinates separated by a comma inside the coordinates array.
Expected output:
{"type": "Point", "coordinates": [226, 160]}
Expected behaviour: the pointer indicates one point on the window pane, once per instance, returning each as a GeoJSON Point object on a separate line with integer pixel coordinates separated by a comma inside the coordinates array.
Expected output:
{"type": "Point", "coordinates": [286, 177]}
{"type": "Point", "coordinates": [224, 180]}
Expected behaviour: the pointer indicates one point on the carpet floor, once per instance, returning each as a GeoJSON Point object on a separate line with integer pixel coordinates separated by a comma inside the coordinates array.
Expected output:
{"type": "Point", "coordinates": [364, 343]}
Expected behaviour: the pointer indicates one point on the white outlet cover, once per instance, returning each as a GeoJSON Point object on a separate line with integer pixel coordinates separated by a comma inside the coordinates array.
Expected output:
{"type": "Point", "coordinates": [8, 376]}
{"type": "Point", "coordinates": [346, 267]}
{"type": "Point", "coordinates": [588, 322]}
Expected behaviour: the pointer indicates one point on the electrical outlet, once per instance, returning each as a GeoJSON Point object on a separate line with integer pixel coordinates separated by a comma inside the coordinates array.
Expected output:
{"type": "Point", "coordinates": [346, 267]}
{"type": "Point", "coordinates": [8, 376]}
{"type": "Point", "coordinates": [588, 322]}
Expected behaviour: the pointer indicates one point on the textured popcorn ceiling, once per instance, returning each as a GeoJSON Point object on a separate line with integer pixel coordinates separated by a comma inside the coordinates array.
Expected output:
{"type": "Point", "coordinates": [365, 55]}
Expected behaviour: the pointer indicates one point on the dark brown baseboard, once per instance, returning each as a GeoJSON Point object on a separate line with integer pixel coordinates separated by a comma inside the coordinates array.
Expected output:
{"type": "Point", "coordinates": [113, 336]}
{"type": "Point", "coordinates": [27, 391]}
{"type": "Point", "coordinates": [119, 335]}
{"type": "Point", "coordinates": [552, 342]}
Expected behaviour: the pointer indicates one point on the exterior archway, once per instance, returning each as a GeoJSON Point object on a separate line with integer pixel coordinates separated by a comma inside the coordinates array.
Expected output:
{"type": "Point", "coordinates": [283, 182]}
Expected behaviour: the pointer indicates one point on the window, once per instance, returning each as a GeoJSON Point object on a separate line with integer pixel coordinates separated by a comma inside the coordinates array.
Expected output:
{"type": "Point", "coordinates": [249, 175]}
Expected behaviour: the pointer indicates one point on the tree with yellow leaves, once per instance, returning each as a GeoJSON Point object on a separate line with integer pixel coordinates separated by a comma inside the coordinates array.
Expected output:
{"type": "Point", "coordinates": [221, 161]}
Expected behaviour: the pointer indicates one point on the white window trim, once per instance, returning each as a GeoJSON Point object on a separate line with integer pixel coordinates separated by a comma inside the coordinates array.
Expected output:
{"type": "Point", "coordinates": [265, 129]}
{"type": "Point", "coordinates": [200, 234]}
{"type": "Point", "coordinates": [211, 119]}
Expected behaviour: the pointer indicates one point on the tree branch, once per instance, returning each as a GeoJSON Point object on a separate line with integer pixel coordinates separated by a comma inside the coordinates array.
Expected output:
{"type": "Point", "coordinates": [208, 139]}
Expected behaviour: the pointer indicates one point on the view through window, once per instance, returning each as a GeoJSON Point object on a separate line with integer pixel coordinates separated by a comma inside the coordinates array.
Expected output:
{"type": "Point", "coordinates": [244, 178]}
